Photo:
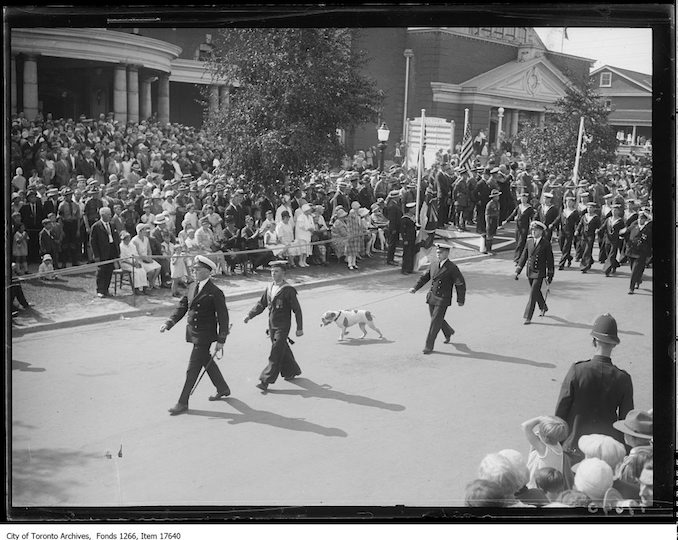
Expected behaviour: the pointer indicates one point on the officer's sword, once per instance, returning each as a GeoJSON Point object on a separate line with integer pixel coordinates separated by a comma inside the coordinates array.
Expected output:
{"type": "Point", "coordinates": [208, 365]}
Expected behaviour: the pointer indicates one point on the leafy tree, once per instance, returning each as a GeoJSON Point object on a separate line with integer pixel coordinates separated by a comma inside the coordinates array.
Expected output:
{"type": "Point", "coordinates": [555, 144]}
{"type": "Point", "coordinates": [295, 87]}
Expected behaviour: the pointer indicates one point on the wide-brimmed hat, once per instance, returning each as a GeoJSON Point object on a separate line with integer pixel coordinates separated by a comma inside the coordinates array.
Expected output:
{"type": "Point", "coordinates": [637, 423]}
{"type": "Point", "coordinates": [362, 212]}
{"type": "Point", "coordinates": [593, 477]}
{"type": "Point", "coordinates": [141, 226]}
{"type": "Point", "coordinates": [495, 193]}
{"type": "Point", "coordinates": [340, 212]}
{"type": "Point", "coordinates": [46, 257]}
{"type": "Point", "coordinates": [394, 193]}
{"type": "Point", "coordinates": [306, 208]}
{"type": "Point", "coordinates": [160, 220]}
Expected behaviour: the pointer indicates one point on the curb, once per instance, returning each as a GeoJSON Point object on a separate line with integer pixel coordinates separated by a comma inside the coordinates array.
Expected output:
{"type": "Point", "coordinates": [152, 310]}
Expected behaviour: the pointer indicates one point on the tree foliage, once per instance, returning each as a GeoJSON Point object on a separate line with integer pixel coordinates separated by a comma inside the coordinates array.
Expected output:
{"type": "Point", "coordinates": [555, 143]}
{"type": "Point", "coordinates": [296, 86]}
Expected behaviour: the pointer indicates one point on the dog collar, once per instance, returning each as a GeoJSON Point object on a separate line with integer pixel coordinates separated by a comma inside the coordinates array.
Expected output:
{"type": "Point", "coordinates": [337, 317]}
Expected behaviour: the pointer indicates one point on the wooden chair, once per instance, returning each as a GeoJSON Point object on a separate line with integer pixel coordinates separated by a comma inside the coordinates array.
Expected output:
{"type": "Point", "coordinates": [119, 276]}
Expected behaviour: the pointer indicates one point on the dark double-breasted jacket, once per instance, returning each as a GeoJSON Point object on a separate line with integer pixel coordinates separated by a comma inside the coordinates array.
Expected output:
{"type": "Point", "coordinates": [443, 279]}
{"type": "Point", "coordinates": [207, 315]}
{"type": "Point", "coordinates": [538, 258]}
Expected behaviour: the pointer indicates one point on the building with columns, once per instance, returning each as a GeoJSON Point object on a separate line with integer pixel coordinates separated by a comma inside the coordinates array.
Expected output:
{"type": "Point", "coordinates": [133, 73]}
{"type": "Point", "coordinates": [137, 73]}
{"type": "Point", "coordinates": [503, 76]}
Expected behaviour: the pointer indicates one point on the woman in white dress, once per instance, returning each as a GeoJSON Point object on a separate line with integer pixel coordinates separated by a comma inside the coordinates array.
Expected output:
{"type": "Point", "coordinates": [271, 240]}
{"type": "Point", "coordinates": [285, 233]}
{"type": "Point", "coordinates": [130, 261]}
{"type": "Point", "coordinates": [303, 229]}
{"type": "Point", "coordinates": [143, 245]}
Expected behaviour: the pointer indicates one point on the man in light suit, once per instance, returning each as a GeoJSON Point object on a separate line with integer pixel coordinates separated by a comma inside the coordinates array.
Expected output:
{"type": "Point", "coordinates": [207, 322]}
{"type": "Point", "coordinates": [443, 275]}
{"type": "Point", "coordinates": [538, 256]}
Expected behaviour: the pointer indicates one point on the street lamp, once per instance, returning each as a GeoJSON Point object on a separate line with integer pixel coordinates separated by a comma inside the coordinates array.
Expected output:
{"type": "Point", "coordinates": [500, 112]}
{"type": "Point", "coordinates": [382, 134]}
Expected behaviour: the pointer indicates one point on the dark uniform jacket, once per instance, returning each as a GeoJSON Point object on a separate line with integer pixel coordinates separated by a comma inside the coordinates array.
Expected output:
{"type": "Point", "coordinates": [393, 213]}
{"type": "Point", "coordinates": [539, 259]}
{"type": "Point", "coordinates": [442, 280]}
{"type": "Point", "coordinates": [594, 395]}
{"type": "Point", "coordinates": [207, 314]}
{"type": "Point", "coordinates": [568, 223]}
{"type": "Point", "coordinates": [280, 308]}
{"type": "Point", "coordinates": [523, 217]}
{"type": "Point", "coordinates": [548, 216]}
{"type": "Point", "coordinates": [638, 241]}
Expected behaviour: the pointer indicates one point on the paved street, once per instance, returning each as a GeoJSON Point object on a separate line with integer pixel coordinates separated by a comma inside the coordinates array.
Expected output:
{"type": "Point", "coordinates": [369, 422]}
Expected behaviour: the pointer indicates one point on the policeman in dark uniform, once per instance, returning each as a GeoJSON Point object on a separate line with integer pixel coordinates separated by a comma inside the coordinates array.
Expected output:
{"type": "Point", "coordinates": [206, 307]}
{"type": "Point", "coordinates": [538, 256]}
{"type": "Point", "coordinates": [281, 300]}
{"type": "Point", "coordinates": [444, 275]}
{"type": "Point", "coordinates": [595, 393]}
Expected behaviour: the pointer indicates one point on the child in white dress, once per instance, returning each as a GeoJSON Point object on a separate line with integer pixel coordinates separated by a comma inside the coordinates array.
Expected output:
{"type": "Point", "coordinates": [544, 433]}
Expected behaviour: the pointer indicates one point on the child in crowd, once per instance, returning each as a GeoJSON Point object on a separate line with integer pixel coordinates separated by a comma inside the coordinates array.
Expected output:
{"type": "Point", "coordinates": [46, 267]}
{"type": "Point", "coordinates": [20, 249]}
{"type": "Point", "coordinates": [544, 433]}
{"type": "Point", "coordinates": [550, 481]}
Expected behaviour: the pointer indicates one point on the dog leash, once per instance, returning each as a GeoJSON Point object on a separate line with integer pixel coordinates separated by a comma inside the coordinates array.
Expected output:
{"type": "Point", "coordinates": [377, 301]}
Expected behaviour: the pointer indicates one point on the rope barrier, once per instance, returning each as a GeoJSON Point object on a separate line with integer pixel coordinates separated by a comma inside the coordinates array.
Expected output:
{"type": "Point", "coordinates": [92, 266]}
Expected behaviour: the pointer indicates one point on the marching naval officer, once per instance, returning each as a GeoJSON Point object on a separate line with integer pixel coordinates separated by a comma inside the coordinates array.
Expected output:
{"type": "Point", "coordinates": [444, 275]}
{"type": "Point", "coordinates": [538, 256]}
{"type": "Point", "coordinates": [205, 305]}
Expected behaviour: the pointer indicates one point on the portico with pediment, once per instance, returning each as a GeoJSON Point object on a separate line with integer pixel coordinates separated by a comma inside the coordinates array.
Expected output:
{"type": "Point", "coordinates": [517, 91]}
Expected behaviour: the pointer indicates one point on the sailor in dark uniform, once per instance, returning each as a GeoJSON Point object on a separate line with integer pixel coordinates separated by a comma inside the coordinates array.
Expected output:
{"type": "Point", "coordinates": [569, 220]}
{"type": "Point", "coordinates": [205, 305]}
{"type": "Point", "coordinates": [523, 214]}
{"type": "Point", "coordinates": [538, 256]}
{"type": "Point", "coordinates": [586, 232]}
{"type": "Point", "coordinates": [408, 230]}
{"type": "Point", "coordinates": [548, 215]}
{"type": "Point", "coordinates": [492, 211]}
{"type": "Point", "coordinates": [611, 228]}
{"type": "Point", "coordinates": [443, 275]}
{"type": "Point", "coordinates": [281, 300]}
{"type": "Point", "coordinates": [605, 212]}
{"type": "Point", "coordinates": [638, 240]}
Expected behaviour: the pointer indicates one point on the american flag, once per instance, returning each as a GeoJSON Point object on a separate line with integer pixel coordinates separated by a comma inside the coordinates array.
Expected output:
{"type": "Point", "coordinates": [466, 149]}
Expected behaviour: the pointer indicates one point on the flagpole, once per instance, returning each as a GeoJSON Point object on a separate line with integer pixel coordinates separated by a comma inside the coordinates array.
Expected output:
{"type": "Point", "coordinates": [576, 158]}
{"type": "Point", "coordinates": [421, 161]}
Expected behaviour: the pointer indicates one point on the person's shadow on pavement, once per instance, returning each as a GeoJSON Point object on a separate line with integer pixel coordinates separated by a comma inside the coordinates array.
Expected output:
{"type": "Point", "coordinates": [310, 389]}
{"type": "Point", "coordinates": [479, 355]}
{"type": "Point", "coordinates": [583, 326]}
{"type": "Point", "coordinates": [248, 414]}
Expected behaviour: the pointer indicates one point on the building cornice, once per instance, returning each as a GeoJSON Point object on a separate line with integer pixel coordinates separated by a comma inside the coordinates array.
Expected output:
{"type": "Point", "coordinates": [192, 71]}
{"type": "Point", "coordinates": [95, 44]}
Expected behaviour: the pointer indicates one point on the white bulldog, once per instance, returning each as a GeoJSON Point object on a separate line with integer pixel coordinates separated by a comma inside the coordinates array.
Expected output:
{"type": "Point", "coordinates": [350, 317]}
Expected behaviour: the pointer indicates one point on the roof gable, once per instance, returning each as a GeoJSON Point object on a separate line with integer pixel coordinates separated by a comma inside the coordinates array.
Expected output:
{"type": "Point", "coordinates": [642, 80]}
{"type": "Point", "coordinates": [535, 79]}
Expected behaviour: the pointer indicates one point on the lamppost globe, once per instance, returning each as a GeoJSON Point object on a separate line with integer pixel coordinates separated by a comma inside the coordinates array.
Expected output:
{"type": "Point", "coordinates": [501, 111]}
{"type": "Point", "coordinates": [382, 134]}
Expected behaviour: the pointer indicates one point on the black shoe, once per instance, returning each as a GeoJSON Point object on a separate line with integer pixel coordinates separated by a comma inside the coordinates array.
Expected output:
{"type": "Point", "coordinates": [569, 263]}
{"type": "Point", "coordinates": [178, 409]}
{"type": "Point", "coordinates": [543, 311]}
{"type": "Point", "coordinates": [448, 338]}
{"type": "Point", "coordinates": [427, 351]}
{"type": "Point", "coordinates": [219, 395]}
{"type": "Point", "coordinates": [262, 386]}
{"type": "Point", "coordinates": [392, 263]}
{"type": "Point", "coordinates": [292, 377]}
{"type": "Point", "coordinates": [630, 291]}
{"type": "Point", "coordinates": [527, 321]}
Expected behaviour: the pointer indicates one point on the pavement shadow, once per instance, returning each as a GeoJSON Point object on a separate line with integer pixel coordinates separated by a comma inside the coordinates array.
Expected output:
{"type": "Point", "coordinates": [571, 324]}
{"type": "Point", "coordinates": [33, 472]}
{"type": "Point", "coordinates": [25, 366]}
{"type": "Point", "coordinates": [61, 285]}
{"type": "Point", "coordinates": [479, 355]}
{"type": "Point", "coordinates": [248, 414]}
{"type": "Point", "coordinates": [311, 389]}
{"type": "Point", "coordinates": [32, 313]}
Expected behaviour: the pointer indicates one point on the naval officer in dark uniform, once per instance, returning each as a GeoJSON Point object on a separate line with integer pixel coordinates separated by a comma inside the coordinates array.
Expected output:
{"type": "Point", "coordinates": [443, 275]}
{"type": "Point", "coordinates": [205, 305]}
{"type": "Point", "coordinates": [538, 256]}
{"type": "Point", "coordinates": [281, 300]}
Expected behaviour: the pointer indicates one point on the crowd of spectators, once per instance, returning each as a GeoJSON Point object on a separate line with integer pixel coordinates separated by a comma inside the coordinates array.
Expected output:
{"type": "Point", "coordinates": [169, 180]}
